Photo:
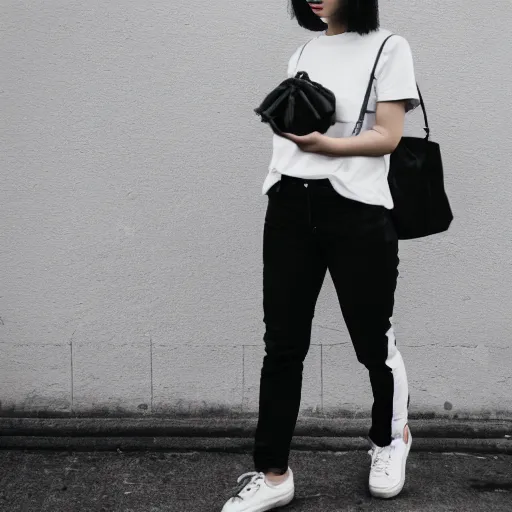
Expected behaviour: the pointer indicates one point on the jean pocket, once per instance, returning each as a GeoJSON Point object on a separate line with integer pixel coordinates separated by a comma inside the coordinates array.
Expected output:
{"type": "Point", "coordinates": [274, 189]}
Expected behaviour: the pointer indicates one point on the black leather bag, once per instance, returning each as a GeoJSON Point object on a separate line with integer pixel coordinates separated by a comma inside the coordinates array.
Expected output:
{"type": "Point", "coordinates": [298, 105]}
{"type": "Point", "coordinates": [416, 179]}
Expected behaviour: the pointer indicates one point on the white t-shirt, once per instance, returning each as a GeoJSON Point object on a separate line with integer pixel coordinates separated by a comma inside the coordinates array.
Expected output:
{"type": "Point", "coordinates": [343, 63]}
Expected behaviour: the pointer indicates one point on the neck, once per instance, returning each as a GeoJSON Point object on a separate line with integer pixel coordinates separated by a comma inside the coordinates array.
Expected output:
{"type": "Point", "coordinates": [335, 30]}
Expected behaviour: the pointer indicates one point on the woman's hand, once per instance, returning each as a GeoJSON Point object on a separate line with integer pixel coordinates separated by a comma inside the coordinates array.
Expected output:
{"type": "Point", "coordinates": [314, 142]}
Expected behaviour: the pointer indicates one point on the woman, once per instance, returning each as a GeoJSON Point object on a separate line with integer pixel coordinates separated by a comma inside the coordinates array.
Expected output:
{"type": "Point", "coordinates": [328, 208]}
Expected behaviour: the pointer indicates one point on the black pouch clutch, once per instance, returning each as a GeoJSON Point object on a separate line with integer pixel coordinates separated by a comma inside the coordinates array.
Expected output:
{"type": "Point", "coordinates": [298, 105]}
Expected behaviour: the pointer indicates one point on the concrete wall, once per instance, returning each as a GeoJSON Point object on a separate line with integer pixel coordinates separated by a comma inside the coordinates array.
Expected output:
{"type": "Point", "coordinates": [132, 215]}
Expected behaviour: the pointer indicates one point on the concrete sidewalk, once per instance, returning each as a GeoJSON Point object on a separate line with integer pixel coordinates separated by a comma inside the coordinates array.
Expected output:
{"type": "Point", "coordinates": [158, 481]}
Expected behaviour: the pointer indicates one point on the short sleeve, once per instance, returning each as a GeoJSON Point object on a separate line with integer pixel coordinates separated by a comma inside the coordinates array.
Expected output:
{"type": "Point", "coordinates": [395, 74]}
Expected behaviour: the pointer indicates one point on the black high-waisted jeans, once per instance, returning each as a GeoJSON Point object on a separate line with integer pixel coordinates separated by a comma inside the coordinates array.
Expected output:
{"type": "Point", "coordinates": [308, 229]}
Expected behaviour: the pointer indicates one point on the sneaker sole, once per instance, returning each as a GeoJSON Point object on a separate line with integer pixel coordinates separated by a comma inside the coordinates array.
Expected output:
{"type": "Point", "coordinates": [281, 502]}
{"type": "Point", "coordinates": [393, 491]}
{"type": "Point", "coordinates": [284, 500]}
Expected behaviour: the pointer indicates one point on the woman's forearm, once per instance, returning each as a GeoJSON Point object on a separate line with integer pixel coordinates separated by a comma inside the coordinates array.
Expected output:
{"type": "Point", "coordinates": [375, 142]}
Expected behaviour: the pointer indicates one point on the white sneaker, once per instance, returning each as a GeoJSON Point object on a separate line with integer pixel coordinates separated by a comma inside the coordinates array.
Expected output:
{"type": "Point", "coordinates": [387, 472]}
{"type": "Point", "coordinates": [253, 494]}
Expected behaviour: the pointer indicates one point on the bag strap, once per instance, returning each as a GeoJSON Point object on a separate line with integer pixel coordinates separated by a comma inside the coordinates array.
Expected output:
{"type": "Point", "coordinates": [359, 124]}
{"type": "Point", "coordinates": [303, 46]}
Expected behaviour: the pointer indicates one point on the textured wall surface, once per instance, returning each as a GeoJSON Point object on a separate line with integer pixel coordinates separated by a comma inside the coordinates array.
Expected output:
{"type": "Point", "coordinates": [131, 214]}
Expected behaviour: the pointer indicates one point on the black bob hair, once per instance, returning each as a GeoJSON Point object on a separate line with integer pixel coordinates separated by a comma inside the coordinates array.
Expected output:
{"type": "Point", "coordinates": [361, 16]}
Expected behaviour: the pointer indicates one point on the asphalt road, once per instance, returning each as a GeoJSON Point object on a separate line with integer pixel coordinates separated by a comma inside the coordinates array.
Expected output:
{"type": "Point", "coordinates": [45, 481]}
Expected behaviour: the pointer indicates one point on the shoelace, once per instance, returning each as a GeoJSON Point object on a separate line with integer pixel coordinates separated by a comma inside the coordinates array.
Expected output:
{"type": "Point", "coordinates": [380, 463]}
{"type": "Point", "coordinates": [245, 479]}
